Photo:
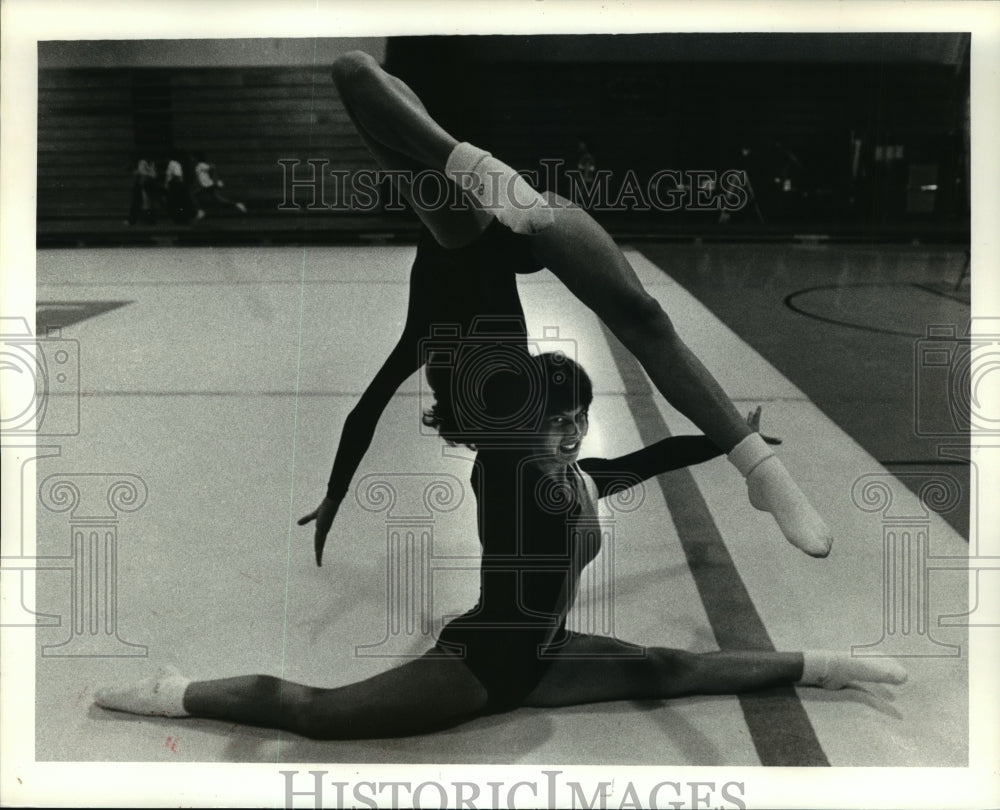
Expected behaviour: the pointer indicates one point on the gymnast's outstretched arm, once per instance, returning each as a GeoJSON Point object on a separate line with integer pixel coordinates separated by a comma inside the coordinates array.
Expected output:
{"type": "Point", "coordinates": [583, 256]}
{"type": "Point", "coordinates": [359, 428]}
{"type": "Point", "coordinates": [673, 453]}
{"type": "Point", "coordinates": [361, 89]}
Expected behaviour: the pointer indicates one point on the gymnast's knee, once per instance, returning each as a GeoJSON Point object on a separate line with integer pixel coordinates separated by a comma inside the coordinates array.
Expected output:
{"type": "Point", "coordinates": [641, 317]}
{"type": "Point", "coordinates": [352, 69]}
{"type": "Point", "coordinates": [292, 707]}
{"type": "Point", "coordinates": [311, 716]}
{"type": "Point", "coordinates": [674, 670]}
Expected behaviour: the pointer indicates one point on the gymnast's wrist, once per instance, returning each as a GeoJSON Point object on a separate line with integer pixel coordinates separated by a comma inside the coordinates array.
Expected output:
{"type": "Point", "coordinates": [335, 494]}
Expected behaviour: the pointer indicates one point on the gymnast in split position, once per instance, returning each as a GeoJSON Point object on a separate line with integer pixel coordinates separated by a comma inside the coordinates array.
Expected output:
{"type": "Point", "coordinates": [508, 228]}
{"type": "Point", "coordinates": [513, 648]}
{"type": "Point", "coordinates": [537, 510]}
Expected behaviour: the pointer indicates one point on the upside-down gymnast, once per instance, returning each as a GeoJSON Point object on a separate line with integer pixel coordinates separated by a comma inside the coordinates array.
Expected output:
{"type": "Point", "coordinates": [466, 265]}
{"type": "Point", "coordinates": [536, 513]}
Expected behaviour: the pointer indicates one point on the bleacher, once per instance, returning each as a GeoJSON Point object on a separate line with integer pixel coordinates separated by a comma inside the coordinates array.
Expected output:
{"type": "Point", "coordinates": [246, 120]}
{"type": "Point", "coordinates": [638, 117]}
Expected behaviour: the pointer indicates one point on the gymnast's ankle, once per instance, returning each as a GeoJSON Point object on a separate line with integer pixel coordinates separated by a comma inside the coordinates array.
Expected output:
{"type": "Point", "coordinates": [497, 188]}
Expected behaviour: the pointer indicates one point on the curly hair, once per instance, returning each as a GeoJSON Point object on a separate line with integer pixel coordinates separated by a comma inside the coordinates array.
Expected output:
{"type": "Point", "coordinates": [494, 401]}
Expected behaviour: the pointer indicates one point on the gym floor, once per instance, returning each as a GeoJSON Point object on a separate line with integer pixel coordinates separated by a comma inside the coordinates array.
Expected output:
{"type": "Point", "coordinates": [216, 381]}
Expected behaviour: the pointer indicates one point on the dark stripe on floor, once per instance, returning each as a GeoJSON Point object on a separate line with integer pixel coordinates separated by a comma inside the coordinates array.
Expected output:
{"type": "Point", "coordinates": [779, 726]}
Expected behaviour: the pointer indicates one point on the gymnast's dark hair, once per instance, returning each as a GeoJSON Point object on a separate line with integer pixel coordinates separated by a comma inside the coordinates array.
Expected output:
{"type": "Point", "coordinates": [506, 403]}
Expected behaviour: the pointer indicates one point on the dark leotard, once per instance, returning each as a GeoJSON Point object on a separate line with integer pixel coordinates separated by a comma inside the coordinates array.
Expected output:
{"type": "Point", "coordinates": [528, 564]}
{"type": "Point", "coordinates": [472, 289]}
{"type": "Point", "coordinates": [536, 537]}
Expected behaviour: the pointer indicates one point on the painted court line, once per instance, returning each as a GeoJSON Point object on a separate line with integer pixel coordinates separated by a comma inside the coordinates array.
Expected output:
{"type": "Point", "coordinates": [780, 729]}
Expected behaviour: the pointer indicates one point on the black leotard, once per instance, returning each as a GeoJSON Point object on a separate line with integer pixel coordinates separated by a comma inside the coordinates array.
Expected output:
{"type": "Point", "coordinates": [524, 536]}
{"type": "Point", "coordinates": [532, 554]}
{"type": "Point", "coordinates": [469, 288]}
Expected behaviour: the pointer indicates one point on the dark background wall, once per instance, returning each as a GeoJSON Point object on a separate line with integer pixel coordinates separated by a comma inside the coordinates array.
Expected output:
{"type": "Point", "coordinates": [862, 131]}
{"type": "Point", "coordinates": [831, 128]}
{"type": "Point", "coordinates": [93, 123]}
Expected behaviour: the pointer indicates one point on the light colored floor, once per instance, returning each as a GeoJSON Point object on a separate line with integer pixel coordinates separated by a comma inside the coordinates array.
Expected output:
{"type": "Point", "coordinates": [222, 385]}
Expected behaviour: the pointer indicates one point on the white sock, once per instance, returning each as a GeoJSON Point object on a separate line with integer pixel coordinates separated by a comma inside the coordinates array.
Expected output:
{"type": "Point", "coordinates": [832, 670]}
{"type": "Point", "coordinates": [771, 489]}
{"type": "Point", "coordinates": [161, 695]}
{"type": "Point", "coordinates": [498, 189]}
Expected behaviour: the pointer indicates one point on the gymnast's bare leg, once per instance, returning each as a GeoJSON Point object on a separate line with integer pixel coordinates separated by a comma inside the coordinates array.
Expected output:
{"type": "Point", "coordinates": [578, 251]}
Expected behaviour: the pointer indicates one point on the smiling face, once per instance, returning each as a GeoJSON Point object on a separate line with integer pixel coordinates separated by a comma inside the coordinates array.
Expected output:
{"type": "Point", "coordinates": [558, 442]}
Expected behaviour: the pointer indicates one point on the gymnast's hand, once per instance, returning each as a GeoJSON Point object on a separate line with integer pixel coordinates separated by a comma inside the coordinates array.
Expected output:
{"type": "Point", "coordinates": [753, 420]}
{"type": "Point", "coordinates": [323, 515]}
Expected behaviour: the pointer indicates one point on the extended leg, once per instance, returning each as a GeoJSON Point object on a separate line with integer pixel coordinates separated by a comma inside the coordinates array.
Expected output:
{"type": "Point", "coordinates": [585, 258]}
{"type": "Point", "coordinates": [589, 671]}
{"type": "Point", "coordinates": [403, 138]}
{"type": "Point", "coordinates": [389, 112]}
{"type": "Point", "coordinates": [421, 696]}
{"type": "Point", "coordinates": [399, 132]}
